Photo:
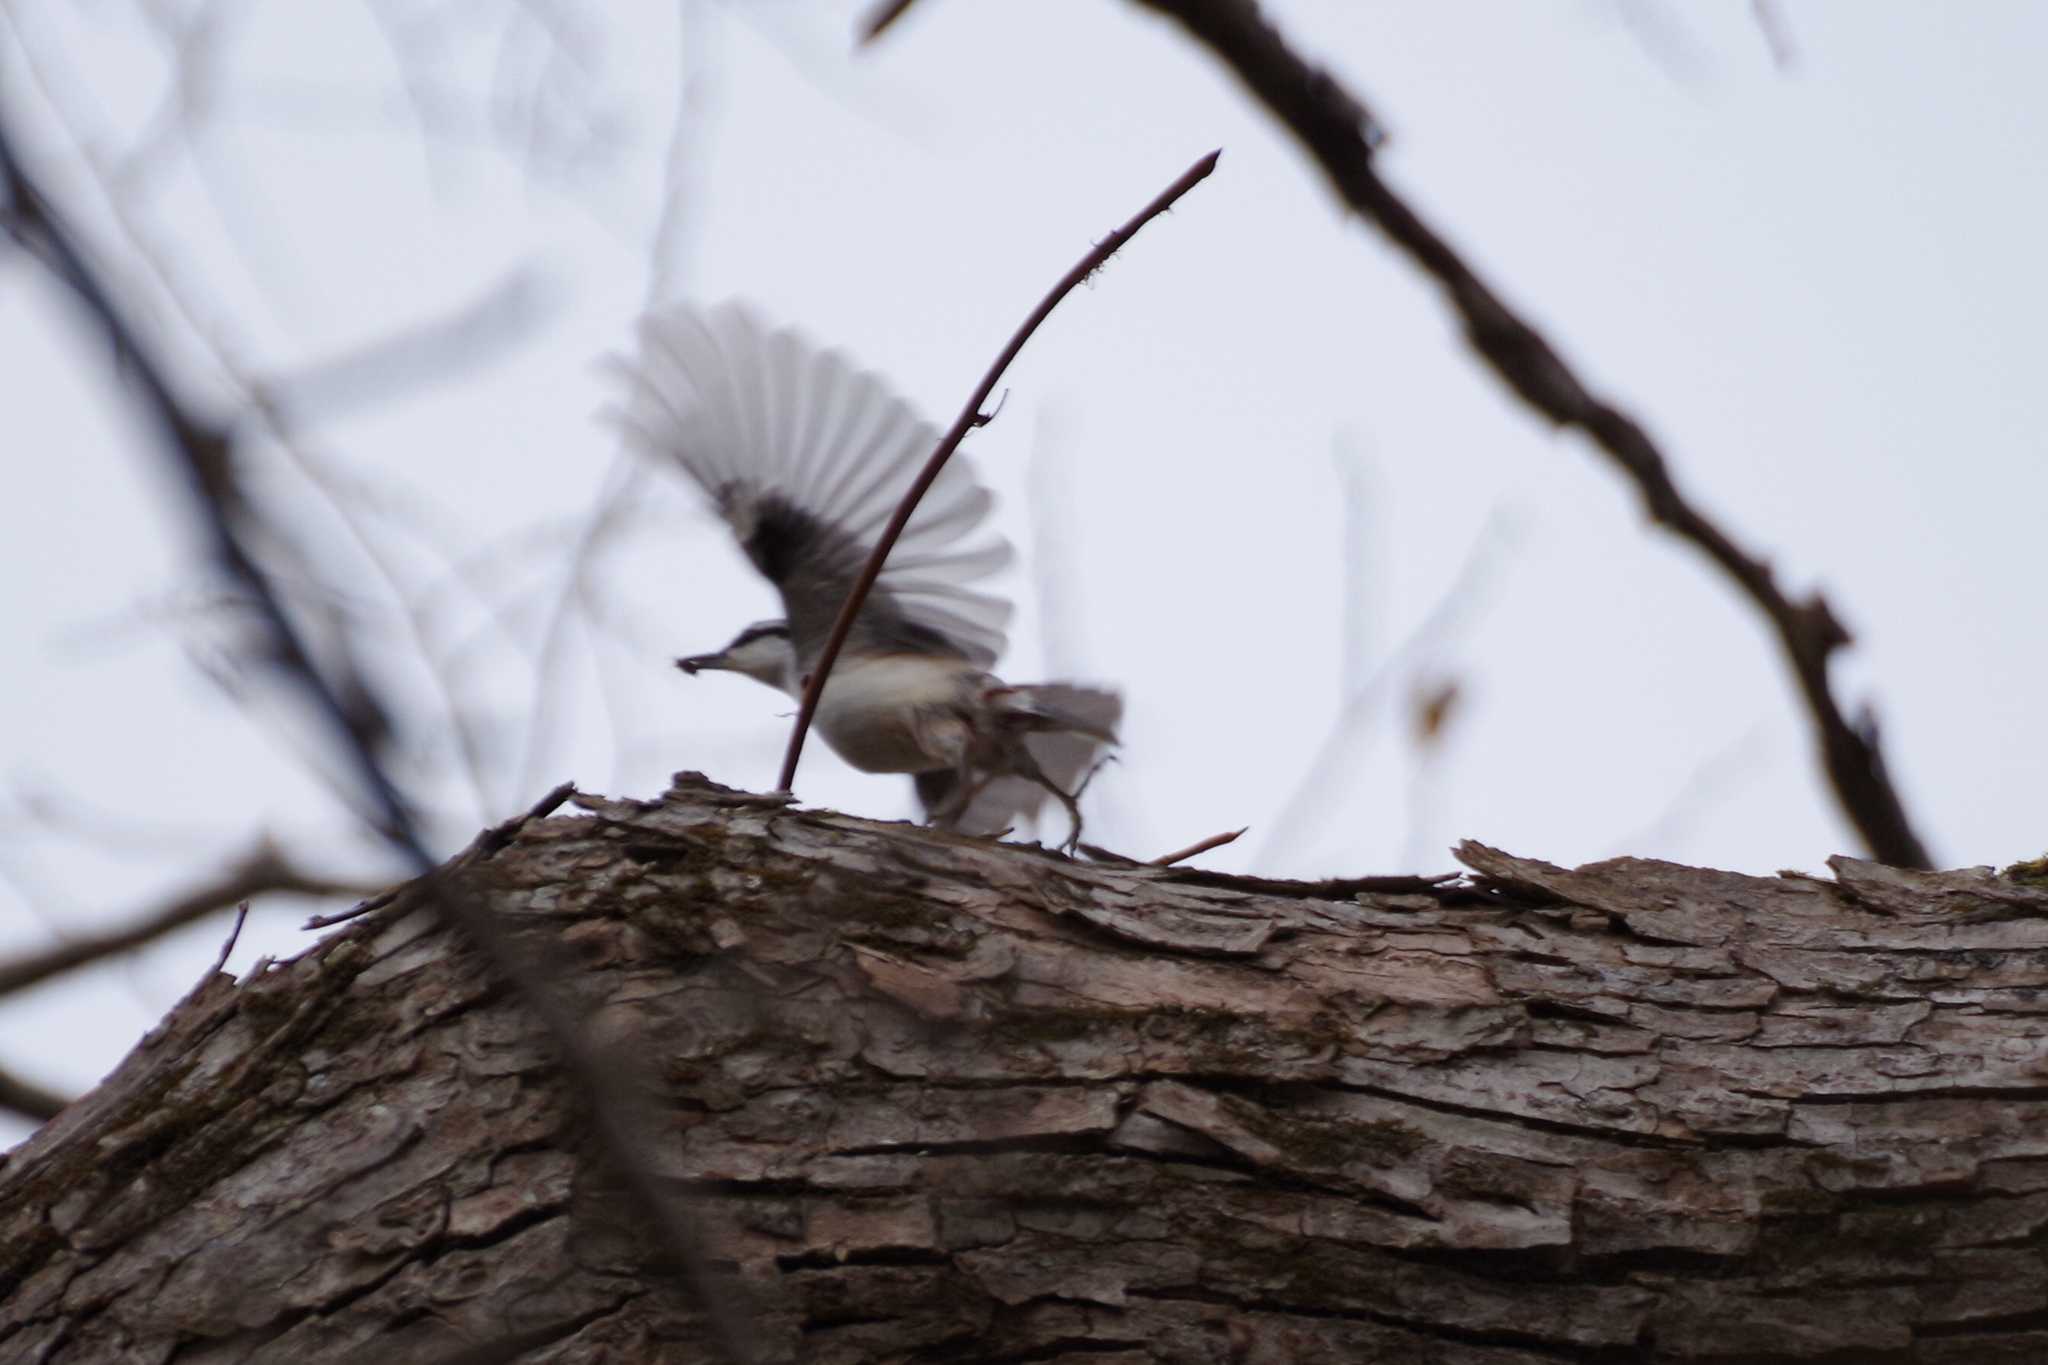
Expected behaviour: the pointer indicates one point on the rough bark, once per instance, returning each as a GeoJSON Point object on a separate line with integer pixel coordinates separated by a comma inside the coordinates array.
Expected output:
{"type": "Point", "coordinates": [932, 1098]}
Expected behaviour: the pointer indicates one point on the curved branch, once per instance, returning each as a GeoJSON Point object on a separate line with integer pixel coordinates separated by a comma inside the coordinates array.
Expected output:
{"type": "Point", "coordinates": [1335, 128]}
{"type": "Point", "coordinates": [969, 418]}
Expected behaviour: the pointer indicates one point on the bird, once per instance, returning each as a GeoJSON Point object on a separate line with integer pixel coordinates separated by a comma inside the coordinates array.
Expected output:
{"type": "Point", "coordinates": [805, 456]}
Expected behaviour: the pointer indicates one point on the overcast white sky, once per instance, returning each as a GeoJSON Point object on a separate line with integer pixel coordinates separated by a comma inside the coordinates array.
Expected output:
{"type": "Point", "coordinates": [1820, 288]}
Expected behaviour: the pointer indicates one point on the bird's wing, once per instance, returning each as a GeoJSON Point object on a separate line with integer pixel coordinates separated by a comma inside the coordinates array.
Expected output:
{"type": "Point", "coordinates": [806, 457]}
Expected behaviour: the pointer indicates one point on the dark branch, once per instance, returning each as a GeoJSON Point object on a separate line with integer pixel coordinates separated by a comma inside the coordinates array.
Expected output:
{"type": "Point", "coordinates": [607, 1084]}
{"type": "Point", "coordinates": [876, 21]}
{"type": "Point", "coordinates": [29, 1099]}
{"type": "Point", "coordinates": [260, 873]}
{"type": "Point", "coordinates": [1336, 130]}
{"type": "Point", "coordinates": [203, 454]}
{"type": "Point", "coordinates": [970, 417]}
{"type": "Point", "coordinates": [227, 949]}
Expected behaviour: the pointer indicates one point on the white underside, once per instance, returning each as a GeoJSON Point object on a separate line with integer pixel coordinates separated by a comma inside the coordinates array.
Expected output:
{"type": "Point", "coordinates": [898, 714]}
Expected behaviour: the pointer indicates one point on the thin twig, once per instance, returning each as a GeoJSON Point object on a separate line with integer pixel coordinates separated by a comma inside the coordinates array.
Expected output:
{"type": "Point", "coordinates": [618, 489]}
{"type": "Point", "coordinates": [356, 911]}
{"type": "Point", "coordinates": [1229, 836]}
{"type": "Point", "coordinates": [488, 843]}
{"type": "Point", "coordinates": [234, 937]}
{"type": "Point", "coordinates": [970, 417]}
{"type": "Point", "coordinates": [1365, 571]}
{"type": "Point", "coordinates": [1465, 595]}
{"type": "Point", "coordinates": [609, 1085]}
{"type": "Point", "coordinates": [1711, 781]}
{"type": "Point", "coordinates": [1336, 130]}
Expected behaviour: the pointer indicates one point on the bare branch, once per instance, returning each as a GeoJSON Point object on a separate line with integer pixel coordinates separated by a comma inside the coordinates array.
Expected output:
{"type": "Point", "coordinates": [356, 911]}
{"type": "Point", "coordinates": [29, 1099]}
{"type": "Point", "coordinates": [1333, 126]}
{"type": "Point", "coordinates": [263, 871]}
{"type": "Point", "coordinates": [876, 21]}
{"type": "Point", "coordinates": [970, 417]}
{"type": "Point", "coordinates": [607, 1084]}
{"type": "Point", "coordinates": [1228, 836]}
{"type": "Point", "coordinates": [234, 937]}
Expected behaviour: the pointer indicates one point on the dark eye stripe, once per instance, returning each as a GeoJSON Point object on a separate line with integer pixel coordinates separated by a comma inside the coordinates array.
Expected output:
{"type": "Point", "coordinates": [753, 633]}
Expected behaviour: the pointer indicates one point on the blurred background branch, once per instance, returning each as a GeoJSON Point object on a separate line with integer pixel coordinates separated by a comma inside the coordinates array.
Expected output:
{"type": "Point", "coordinates": [263, 871]}
{"type": "Point", "coordinates": [28, 1099]}
{"type": "Point", "coordinates": [343, 696]}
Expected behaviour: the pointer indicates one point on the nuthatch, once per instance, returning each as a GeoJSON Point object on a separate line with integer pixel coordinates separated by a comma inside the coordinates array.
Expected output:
{"type": "Point", "coordinates": [806, 457]}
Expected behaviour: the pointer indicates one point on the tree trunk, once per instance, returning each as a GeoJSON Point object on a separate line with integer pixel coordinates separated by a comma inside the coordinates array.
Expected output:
{"type": "Point", "coordinates": [933, 1098]}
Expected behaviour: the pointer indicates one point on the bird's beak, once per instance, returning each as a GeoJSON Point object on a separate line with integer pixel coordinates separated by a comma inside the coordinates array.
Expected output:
{"type": "Point", "coordinates": [697, 662]}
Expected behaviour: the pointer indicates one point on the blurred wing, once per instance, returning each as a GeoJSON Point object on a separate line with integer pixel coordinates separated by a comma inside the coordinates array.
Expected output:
{"type": "Point", "coordinates": [1064, 756]}
{"type": "Point", "coordinates": [806, 457]}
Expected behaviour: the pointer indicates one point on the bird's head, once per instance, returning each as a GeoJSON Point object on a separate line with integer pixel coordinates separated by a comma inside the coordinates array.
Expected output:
{"type": "Point", "coordinates": [762, 651]}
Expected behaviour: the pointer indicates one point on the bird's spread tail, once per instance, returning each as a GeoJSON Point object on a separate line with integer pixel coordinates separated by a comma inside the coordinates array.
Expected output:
{"type": "Point", "coordinates": [1064, 729]}
{"type": "Point", "coordinates": [1061, 707]}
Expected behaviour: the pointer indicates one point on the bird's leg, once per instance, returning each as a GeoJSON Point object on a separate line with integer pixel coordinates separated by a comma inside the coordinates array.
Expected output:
{"type": "Point", "coordinates": [1100, 764]}
{"type": "Point", "coordinates": [1073, 813]}
{"type": "Point", "coordinates": [1025, 766]}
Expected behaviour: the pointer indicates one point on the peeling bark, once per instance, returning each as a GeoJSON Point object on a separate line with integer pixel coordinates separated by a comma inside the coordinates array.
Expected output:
{"type": "Point", "coordinates": [933, 1098]}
